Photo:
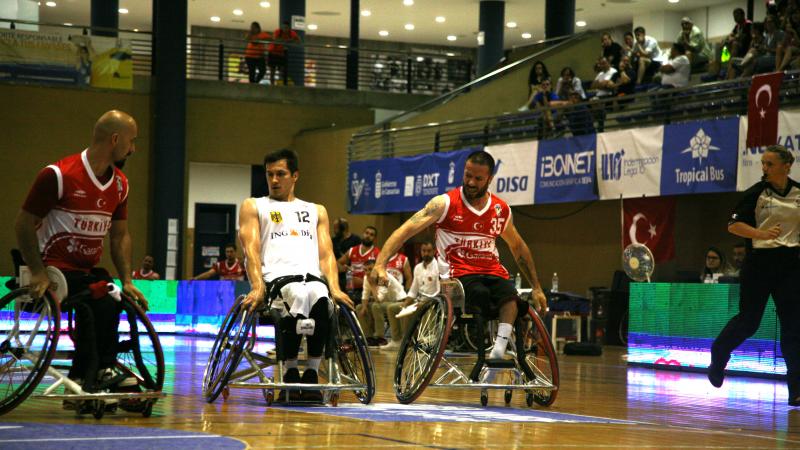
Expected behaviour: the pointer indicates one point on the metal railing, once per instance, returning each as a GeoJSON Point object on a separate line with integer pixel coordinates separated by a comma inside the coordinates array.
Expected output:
{"type": "Point", "coordinates": [324, 66]}
{"type": "Point", "coordinates": [705, 101]}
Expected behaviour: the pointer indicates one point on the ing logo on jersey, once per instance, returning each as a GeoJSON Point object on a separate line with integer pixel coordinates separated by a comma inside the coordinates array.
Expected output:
{"type": "Point", "coordinates": [275, 216]}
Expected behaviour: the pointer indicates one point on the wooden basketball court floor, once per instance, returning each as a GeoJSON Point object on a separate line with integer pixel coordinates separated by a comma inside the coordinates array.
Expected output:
{"type": "Point", "coordinates": [602, 403]}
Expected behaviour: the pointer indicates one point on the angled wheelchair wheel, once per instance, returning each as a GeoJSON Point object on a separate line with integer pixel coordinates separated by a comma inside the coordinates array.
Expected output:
{"type": "Point", "coordinates": [422, 349]}
{"type": "Point", "coordinates": [541, 363]}
{"type": "Point", "coordinates": [355, 362]}
{"type": "Point", "coordinates": [227, 350]}
{"type": "Point", "coordinates": [139, 354]}
{"type": "Point", "coordinates": [28, 337]}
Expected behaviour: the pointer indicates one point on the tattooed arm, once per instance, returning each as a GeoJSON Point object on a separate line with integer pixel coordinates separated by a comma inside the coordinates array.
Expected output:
{"type": "Point", "coordinates": [423, 218]}
{"type": "Point", "coordinates": [524, 258]}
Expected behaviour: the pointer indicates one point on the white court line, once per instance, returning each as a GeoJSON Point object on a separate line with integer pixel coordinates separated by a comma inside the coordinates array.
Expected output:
{"type": "Point", "coordinates": [9, 427]}
{"type": "Point", "coordinates": [114, 438]}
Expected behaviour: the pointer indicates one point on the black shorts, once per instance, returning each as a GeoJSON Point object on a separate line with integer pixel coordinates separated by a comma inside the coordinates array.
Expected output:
{"type": "Point", "coordinates": [487, 293]}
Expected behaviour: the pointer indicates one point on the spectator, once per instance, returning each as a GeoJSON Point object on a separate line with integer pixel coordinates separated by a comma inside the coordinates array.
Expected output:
{"type": "Point", "coordinates": [675, 72]}
{"type": "Point", "coordinates": [425, 283]}
{"type": "Point", "coordinates": [628, 44]}
{"type": "Point", "coordinates": [758, 48]}
{"type": "Point", "coordinates": [544, 100]}
{"type": "Point", "coordinates": [343, 239]}
{"type": "Point", "coordinates": [602, 82]}
{"type": "Point", "coordinates": [254, 53]}
{"type": "Point", "coordinates": [737, 260]}
{"type": "Point", "coordinates": [146, 272]}
{"type": "Point", "coordinates": [625, 79]}
{"type": "Point", "coordinates": [371, 309]}
{"type": "Point", "coordinates": [568, 81]}
{"type": "Point", "coordinates": [352, 261]}
{"type": "Point", "coordinates": [579, 116]}
{"type": "Point", "coordinates": [773, 37]}
{"type": "Point", "coordinates": [788, 51]}
{"type": "Point", "coordinates": [649, 54]}
{"type": "Point", "coordinates": [611, 50]}
{"type": "Point", "coordinates": [713, 268]}
{"type": "Point", "coordinates": [697, 49]}
{"type": "Point", "coordinates": [537, 74]}
{"type": "Point", "coordinates": [738, 41]}
{"type": "Point", "coordinates": [278, 59]}
{"type": "Point", "coordinates": [385, 300]}
{"type": "Point", "coordinates": [229, 269]}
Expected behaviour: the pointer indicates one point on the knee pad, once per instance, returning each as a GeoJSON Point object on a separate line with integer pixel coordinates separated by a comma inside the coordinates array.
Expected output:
{"type": "Point", "coordinates": [305, 326]}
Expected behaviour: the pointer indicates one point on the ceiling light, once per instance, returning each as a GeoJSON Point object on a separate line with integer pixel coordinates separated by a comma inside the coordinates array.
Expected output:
{"type": "Point", "coordinates": [440, 19]}
{"type": "Point", "coordinates": [312, 26]}
{"type": "Point", "coordinates": [408, 2]}
{"type": "Point", "coordinates": [409, 26]}
{"type": "Point", "coordinates": [215, 18]}
{"type": "Point", "coordinates": [383, 33]}
{"type": "Point", "coordinates": [238, 12]}
{"type": "Point", "coordinates": [673, 1]}
{"type": "Point", "coordinates": [135, 30]}
{"type": "Point", "coordinates": [67, 24]}
{"type": "Point", "coordinates": [451, 37]}
{"type": "Point", "coordinates": [526, 36]}
{"type": "Point", "coordinates": [123, 10]}
{"type": "Point", "coordinates": [264, 4]}
{"type": "Point", "coordinates": [366, 13]}
{"type": "Point", "coordinates": [580, 23]}
{"type": "Point", "coordinates": [378, 66]}
{"type": "Point", "coordinates": [51, 4]}
{"type": "Point", "coordinates": [450, 54]}
{"type": "Point", "coordinates": [511, 24]}
{"type": "Point", "coordinates": [420, 59]}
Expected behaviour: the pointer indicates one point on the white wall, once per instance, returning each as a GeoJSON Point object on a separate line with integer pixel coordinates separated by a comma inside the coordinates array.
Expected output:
{"type": "Point", "coordinates": [218, 183]}
{"type": "Point", "coordinates": [715, 21]}
{"type": "Point", "coordinates": [22, 10]}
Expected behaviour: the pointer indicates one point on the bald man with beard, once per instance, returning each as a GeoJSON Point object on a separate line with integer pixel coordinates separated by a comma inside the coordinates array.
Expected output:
{"type": "Point", "coordinates": [71, 207]}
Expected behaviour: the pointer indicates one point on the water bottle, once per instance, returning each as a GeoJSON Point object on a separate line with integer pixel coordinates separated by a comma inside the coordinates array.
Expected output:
{"type": "Point", "coordinates": [554, 283]}
{"type": "Point", "coordinates": [349, 283]}
{"type": "Point", "coordinates": [518, 282]}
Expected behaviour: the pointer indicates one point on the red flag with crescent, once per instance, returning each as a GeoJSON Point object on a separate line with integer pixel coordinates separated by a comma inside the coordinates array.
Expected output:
{"type": "Point", "coordinates": [650, 221]}
{"type": "Point", "coordinates": [762, 109]}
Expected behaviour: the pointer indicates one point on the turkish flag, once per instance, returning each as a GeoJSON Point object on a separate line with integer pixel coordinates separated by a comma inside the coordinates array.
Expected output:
{"type": "Point", "coordinates": [650, 221]}
{"type": "Point", "coordinates": [762, 109]}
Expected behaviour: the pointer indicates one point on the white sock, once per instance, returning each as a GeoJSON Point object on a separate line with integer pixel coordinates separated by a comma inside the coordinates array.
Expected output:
{"type": "Point", "coordinates": [289, 364]}
{"type": "Point", "coordinates": [501, 341]}
{"type": "Point", "coordinates": [313, 363]}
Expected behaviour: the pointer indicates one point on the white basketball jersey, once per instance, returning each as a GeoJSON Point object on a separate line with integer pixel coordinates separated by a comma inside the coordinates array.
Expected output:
{"type": "Point", "coordinates": [288, 238]}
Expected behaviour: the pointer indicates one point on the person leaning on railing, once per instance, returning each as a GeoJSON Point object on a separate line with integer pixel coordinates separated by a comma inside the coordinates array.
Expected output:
{"type": "Point", "coordinates": [254, 53]}
{"type": "Point", "coordinates": [278, 58]}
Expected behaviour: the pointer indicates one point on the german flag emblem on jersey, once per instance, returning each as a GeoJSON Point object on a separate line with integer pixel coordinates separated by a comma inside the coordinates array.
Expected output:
{"type": "Point", "coordinates": [275, 216]}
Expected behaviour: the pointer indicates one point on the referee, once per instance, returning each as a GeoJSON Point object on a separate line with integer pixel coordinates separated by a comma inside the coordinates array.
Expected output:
{"type": "Point", "coordinates": [769, 218]}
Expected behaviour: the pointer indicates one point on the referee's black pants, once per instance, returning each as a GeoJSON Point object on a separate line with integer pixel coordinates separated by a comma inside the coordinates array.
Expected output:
{"type": "Point", "coordinates": [767, 272]}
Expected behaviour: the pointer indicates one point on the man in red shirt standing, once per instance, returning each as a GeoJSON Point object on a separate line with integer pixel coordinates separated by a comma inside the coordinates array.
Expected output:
{"type": "Point", "coordinates": [72, 205]}
{"type": "Point", "coordinates": [146, 272]}
{"type": "Point", "coordinates": [277, 52]}
{"type": "Point", "coordinates": [468, 222]}
{"type": "Point", "coordinates": [229, 269]}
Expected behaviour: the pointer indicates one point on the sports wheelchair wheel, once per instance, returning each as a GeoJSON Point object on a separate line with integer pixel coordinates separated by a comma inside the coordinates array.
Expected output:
{"type": "Point", "coordinates": [28, 336]}
{"type": "Point", "coordinates": [227, 350]}
{"type": "Point", "coordinates": [140, 355]}
{"type": "Point", "coordinates": [355, 362]}
{"type": "Point", "coordinates": [422, 348]}
{"type": "Point", "coordinates": [541, 363]}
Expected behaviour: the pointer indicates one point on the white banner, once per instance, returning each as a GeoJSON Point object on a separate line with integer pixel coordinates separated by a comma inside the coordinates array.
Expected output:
{"type": "Point", "coordinates": [629, 163]}
{"type": "Point", "coordinates": [749, 170]}
{"type": "Point", "coordinates": [515, 171]}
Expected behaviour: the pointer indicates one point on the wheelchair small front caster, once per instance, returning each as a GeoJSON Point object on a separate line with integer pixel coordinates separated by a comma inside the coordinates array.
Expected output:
{"type": "Point", "coordinates": [484, 397]}
{"type": "Point", "coordinates": [507, 397]}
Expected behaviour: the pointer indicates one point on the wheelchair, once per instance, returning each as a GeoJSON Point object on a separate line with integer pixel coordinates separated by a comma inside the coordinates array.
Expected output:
{"type": "Point", "coordinates": [32, 365]}
{"type": "Point", "coordinates": [236, 362]}
{"type": "Point", "coordinates": [421, 360]}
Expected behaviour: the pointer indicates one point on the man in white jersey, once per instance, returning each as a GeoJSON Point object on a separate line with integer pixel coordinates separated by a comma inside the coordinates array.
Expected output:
{"type": "Point", "coordinates": [288, 249]}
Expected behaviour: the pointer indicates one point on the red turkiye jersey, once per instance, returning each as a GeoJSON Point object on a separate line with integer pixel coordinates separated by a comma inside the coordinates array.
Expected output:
{"type": "Point", "coordinates": [76, 210]}
{"type": "Point", "coordinates": [233, 272]}
{"type": "Point", "coordinates": [465, 237]}
{"type": "Point", "coordinates": [395, 266]}
{"type": "Point", "coordinates": [142, 275]}
{"type": "Point", "coordinates": [357, 260]}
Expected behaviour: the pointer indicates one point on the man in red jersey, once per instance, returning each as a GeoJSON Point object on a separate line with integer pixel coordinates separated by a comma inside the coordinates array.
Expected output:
{"type": "Point", "coordinates": [468, 222]}
{"type": "Point", "coordinates": [146, 272]}
{"type": "Point", "coordinates": [72, 205]}
{"type": "Point", "coordinates": [229, 269]}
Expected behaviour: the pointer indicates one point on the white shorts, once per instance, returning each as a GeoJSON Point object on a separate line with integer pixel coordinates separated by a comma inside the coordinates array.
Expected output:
{"type": "Point", "coordinates": [298, 298]}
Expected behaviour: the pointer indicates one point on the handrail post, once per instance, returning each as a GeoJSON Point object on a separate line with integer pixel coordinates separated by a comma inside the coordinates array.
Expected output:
{"type": "Point", "coordinates": [436, 141]}
{"type": "Point", "coordinates": [221, 61]}
{"type": "Point", "coordinates": [408, 74]}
